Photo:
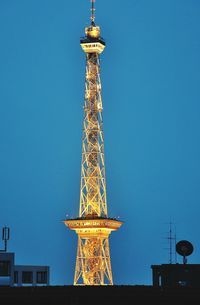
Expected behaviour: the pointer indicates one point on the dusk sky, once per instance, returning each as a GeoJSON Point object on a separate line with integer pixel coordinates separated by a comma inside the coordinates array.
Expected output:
{"type": "Point", "coordinates": [150, 72]}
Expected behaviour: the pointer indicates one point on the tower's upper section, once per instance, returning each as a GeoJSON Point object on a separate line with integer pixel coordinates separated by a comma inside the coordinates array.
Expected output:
{"type": "Point", "coordinates": [92, 42]}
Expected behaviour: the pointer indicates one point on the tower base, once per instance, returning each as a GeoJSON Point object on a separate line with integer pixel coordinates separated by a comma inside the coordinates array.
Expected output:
{"type": "Point", "coordinates": [93, 266]}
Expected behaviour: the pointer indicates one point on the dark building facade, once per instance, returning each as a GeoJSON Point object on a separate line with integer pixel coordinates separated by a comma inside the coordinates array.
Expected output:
{"type": "Point", "coordinates": [99, 295]}
{"type": "Point", "coordinates": [176, 275]}
{"type": "Point", "coordinates": [19, 275]}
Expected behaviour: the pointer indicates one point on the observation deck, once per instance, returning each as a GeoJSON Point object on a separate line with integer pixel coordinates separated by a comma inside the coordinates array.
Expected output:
{"type": "Point", "coordinates": [95, 226]}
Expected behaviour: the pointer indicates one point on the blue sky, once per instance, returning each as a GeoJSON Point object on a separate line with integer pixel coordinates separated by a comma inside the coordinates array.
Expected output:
{"type": "Point", "coordinates": [150, 73]}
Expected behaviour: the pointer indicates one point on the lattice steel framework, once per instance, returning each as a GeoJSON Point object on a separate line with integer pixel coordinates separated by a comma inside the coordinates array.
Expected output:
{"type": "Point", "coordinates": [93, 265]}
{"type": "Point", "coordinates": [93, 182]}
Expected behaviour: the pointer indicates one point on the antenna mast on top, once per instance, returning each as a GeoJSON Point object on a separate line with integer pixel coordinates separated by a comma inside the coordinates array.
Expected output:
{"type": "Point", "coordinates": [92, 11]}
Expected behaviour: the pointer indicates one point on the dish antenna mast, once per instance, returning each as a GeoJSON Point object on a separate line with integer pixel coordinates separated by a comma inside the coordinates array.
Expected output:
{"type": "Point", "coordinates": [184, 248]}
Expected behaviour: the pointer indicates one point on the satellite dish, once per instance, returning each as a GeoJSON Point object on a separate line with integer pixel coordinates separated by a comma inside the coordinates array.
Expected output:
{"type": "Point", "coordinates": [184, 248]}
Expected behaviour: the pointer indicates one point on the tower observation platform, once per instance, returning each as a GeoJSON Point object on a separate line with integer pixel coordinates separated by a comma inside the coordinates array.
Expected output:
{"type": "Point", "coordinates": [93, 226]}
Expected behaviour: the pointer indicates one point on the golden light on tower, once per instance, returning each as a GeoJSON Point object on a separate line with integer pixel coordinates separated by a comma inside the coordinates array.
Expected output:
{"type": "Point", "coordinates": [93, 227]}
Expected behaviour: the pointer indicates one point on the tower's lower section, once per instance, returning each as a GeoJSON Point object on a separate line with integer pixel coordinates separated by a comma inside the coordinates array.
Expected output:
{"type": "Point", "coordinates": [93, 265]}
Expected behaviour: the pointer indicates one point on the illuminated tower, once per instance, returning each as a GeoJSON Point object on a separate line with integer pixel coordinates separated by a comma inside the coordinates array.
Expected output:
{"type": "Point", "coordinates": [93, 227]}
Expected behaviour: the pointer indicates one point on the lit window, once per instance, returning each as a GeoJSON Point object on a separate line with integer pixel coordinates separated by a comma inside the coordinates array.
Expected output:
{"type": "Point", "coordinates": [182, 283]}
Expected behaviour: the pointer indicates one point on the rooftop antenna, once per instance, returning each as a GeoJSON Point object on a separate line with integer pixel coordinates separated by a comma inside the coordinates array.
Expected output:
{"type": "Point", "coordinates": [175, 240]}
{"type": "Point", "coordinates": [92, 12]}
{"type": "Point", "coordinates": [5, 236]}
{"type": "Point", "coordinates": [172, 242]}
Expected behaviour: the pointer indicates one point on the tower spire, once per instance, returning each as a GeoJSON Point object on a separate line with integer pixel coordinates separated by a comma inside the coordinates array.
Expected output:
{"type": "Point", "coordinates": [92, 11]}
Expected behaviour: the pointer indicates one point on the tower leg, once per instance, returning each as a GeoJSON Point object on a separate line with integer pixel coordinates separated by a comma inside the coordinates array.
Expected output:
{"type": "Point", "coordinates": [93, 266]}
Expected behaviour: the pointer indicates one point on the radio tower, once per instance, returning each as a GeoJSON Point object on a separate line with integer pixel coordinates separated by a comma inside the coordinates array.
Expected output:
{"type": "Point", "coordinates": [93, 227]}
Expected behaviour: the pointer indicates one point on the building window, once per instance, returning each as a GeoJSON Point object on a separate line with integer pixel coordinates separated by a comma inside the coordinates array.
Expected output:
{"type": "Point", "coordinates": [4, 268]}
{"type": "Point", "coordinates": [42, 277]}
{"type": "Point", "coordinates": [27, 277]}
{"type": "Point", "coordinates": [16, 277]}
